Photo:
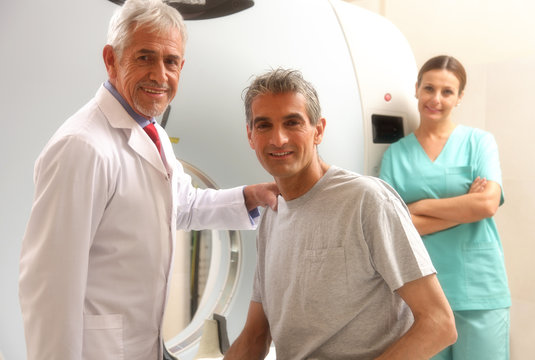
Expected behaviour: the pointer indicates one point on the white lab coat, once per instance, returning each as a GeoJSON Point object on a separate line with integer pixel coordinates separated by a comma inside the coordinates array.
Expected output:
{"type": "Point", "coordinates": [98, 247]}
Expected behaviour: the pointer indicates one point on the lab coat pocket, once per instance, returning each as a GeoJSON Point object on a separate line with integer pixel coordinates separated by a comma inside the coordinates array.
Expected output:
{"type": "Point", "coordinates": [325, 285]}
{"type": "Point", "coordinates": [103, 337]}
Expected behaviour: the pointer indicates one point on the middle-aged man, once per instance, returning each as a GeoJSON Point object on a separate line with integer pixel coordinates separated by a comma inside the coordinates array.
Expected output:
{"type": "Point", "coordinates": [97, 252]}
{"type": "Point", "coordinates": [342, 273]}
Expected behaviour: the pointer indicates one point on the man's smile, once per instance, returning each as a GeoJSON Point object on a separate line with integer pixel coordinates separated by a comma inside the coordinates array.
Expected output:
{"type": "Point", "coordinates": [280, 154]}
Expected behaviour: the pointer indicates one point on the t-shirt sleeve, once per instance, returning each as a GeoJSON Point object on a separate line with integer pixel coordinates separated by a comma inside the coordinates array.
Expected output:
{"type": "Point", "coordinates": [396, 249]}
{"type": "Point", "coordinates": [257, 295]}
{"type": "Point", "coordinates": [258, 280]}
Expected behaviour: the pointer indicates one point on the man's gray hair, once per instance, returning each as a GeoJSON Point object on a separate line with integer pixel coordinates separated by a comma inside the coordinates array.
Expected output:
{"type": "Point", "coordinates": [135, 13]}
{"type": "Point", "coordinates": [280, 81]}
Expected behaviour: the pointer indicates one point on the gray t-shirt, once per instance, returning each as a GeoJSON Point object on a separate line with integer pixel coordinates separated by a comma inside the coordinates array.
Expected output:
{"type": "Point", "coordinates": [329, 263]}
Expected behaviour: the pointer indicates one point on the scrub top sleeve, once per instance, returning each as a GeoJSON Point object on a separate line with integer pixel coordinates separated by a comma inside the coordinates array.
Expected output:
{"type": "Point", "coordinates": [488, 161]}
{"type": "Point", "coordinates": [386, 167]}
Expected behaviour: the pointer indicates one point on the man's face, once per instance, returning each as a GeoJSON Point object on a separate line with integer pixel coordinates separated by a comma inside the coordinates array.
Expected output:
{"type": "Point", "coordinates": [282, 136]}
{"type": "Point", "coordinates": [148, 71]}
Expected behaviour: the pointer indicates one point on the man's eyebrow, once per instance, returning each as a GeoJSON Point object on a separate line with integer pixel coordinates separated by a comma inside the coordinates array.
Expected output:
{"type": "Point", "coordinates": [151, 52]}
{"type": "Point", "coordinates": [258, 119]}
{"type": "Point", "coordinates": [146, 51]}
{"type": "Point", "coordinates": [286, 117]}
{"type": "Point", "coordinates": [294, 116]}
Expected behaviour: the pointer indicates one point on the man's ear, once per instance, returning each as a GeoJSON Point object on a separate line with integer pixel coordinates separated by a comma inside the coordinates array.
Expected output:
{"type": "Point", "coordinates": [320, 130]}
{"type": "Point", "coordinates": [110, 59]}
{"type": "Point", "coordinates": [249, 137]}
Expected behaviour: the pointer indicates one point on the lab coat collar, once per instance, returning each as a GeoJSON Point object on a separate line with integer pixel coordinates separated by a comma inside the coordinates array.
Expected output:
{"type": "Point", "coordinates": [119, 118]}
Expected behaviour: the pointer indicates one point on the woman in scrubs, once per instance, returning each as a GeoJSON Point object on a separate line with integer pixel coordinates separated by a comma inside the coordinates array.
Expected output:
{"type": "Point", "coordinates": [450, 177]}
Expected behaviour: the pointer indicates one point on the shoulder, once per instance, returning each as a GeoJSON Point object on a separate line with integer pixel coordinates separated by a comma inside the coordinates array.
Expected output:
{"type": "Point", "coordinates": [472, 132]}
{"type": "Point", "coordinates": [476, 138]}
{"type": "Point", "coordinates": [85, 134]}
{"type": "Point", "coordinates": [401, 146]}
{"type": "Point", "coordinates": [362, 186]}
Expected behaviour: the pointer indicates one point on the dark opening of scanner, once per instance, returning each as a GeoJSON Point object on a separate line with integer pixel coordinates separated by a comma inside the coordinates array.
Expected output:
{"type": "Point", "coordinates": [387, 129]}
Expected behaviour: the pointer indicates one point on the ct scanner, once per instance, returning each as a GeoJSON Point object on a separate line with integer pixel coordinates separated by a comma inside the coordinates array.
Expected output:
{"type": "Point", "coordinates": [364, 71]}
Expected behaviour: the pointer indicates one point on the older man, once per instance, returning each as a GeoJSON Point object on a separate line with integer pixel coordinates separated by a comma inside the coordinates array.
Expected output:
{"type": "Point", "coordinates": [342, 273]}
{"type": "Point", "coordinates": [110, 195]}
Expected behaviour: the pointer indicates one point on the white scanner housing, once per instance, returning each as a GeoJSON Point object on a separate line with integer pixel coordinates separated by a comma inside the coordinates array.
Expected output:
{"type": "Point", "coordinates": [364, 72]}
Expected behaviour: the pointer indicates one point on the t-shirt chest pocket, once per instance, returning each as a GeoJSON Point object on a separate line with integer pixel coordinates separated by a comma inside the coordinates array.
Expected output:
{"type": "Point", "coordinates": [325, 284]}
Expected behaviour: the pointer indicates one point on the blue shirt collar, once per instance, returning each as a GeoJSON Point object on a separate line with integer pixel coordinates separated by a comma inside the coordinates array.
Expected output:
{"type": "Point", "coordinates": [142, 121]}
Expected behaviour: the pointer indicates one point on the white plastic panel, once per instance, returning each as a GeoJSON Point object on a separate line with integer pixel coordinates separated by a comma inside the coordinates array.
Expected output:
{"type": "Point", "coordinates": [224, 53]}
{"type": "Point", "coordinates": [384, 64]}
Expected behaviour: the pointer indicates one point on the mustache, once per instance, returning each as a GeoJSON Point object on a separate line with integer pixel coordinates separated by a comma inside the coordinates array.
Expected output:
{"type": "Point", "coordinates": [154, 84]}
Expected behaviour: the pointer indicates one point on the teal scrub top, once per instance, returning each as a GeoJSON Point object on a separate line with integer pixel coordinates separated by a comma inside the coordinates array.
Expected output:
{"type": "Point", "coordinates": [468, 257]}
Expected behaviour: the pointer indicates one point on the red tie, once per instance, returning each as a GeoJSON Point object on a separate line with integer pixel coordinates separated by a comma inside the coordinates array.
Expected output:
{"type": "Point", "coordinates": [153, 134]}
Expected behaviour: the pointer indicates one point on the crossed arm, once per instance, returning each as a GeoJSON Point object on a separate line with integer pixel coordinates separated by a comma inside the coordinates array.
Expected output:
{"type": "Point", "coordinates": [481, 201]}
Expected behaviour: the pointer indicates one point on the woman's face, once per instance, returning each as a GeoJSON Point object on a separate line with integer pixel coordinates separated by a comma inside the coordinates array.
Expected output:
{"type": "Point", "coordinates": [437, 95]}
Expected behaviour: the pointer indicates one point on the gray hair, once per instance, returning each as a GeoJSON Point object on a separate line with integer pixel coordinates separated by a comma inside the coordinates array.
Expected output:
{"type": "Point", "coordinates": [135, 13]}
{"type": "Point", "coordinates": [280, 81]}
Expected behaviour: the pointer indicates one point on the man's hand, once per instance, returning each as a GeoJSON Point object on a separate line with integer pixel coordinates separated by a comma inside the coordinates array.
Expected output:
{"type": "Point", "coordinates": [264, 194]}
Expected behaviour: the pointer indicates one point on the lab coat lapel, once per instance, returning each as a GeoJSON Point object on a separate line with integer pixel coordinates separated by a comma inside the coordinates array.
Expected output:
{"type": "Point", "coordinates": [141, 143]}
{"type": "Point", "coordinates": [168, 155]}
{"type": "Point", "coordinates": [138, 140]}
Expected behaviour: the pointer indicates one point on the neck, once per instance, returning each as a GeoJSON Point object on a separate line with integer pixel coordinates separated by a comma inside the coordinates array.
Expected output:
{"type": "Point", "coordinates": [299, 184]}
{"type": "Point", "coordinates": [435, 130]}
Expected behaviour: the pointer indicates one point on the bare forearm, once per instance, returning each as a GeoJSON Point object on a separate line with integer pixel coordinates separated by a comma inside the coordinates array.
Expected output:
{"type": "Point", "coordinates": [429, 225]}
{"type": "Point", "coordinates": [461, 209]}
{"type": "Point", "coordinates": [434, 324]}
{"type": "Point", "coordinates": [248, 348]}
{"type": "Point", "coordinates": [253, 342]}
{"type": "Point", "coordinates": [422, 341]}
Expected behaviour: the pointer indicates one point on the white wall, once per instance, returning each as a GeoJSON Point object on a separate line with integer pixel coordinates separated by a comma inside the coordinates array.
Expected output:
{"type": "Point", "coordinates": [496, 43]}
{"type": "Point", "coordinates": [50, 66]}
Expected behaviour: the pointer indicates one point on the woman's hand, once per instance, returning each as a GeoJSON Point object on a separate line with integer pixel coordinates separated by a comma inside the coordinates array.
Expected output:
{"type": "Point", "coordinates": [478, 185]}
